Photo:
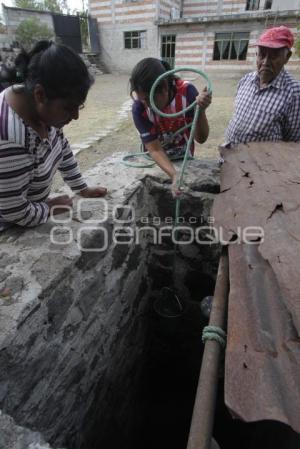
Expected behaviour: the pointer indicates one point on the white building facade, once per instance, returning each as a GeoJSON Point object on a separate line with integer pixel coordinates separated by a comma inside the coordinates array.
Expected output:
{"type": "Point", "coordinates": [214, 35]}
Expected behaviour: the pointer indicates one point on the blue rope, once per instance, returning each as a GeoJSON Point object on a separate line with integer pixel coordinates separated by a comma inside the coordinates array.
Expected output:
{"type": "Point", "coordinates": [214, 333]}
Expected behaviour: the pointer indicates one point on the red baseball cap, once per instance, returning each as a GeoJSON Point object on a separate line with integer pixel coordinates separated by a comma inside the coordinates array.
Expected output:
{"type": "Point", "coordinates": [277, 37]}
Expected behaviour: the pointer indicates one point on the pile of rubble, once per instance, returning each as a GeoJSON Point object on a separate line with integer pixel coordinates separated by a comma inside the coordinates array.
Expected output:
{"type": "Point", "coordinates": [92, 64]}
{"type": "Point", "coordinates": [9, 51]}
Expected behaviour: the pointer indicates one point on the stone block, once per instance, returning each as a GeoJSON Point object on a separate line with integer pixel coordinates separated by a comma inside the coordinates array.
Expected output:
{"type": "Point", "coordinates": [72, 338]}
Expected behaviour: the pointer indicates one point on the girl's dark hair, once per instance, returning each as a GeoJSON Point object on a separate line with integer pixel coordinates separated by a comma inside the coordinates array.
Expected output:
{"type": "Point", "coordinates": [146, 72]}
{"type": "Point", "coordinates": [57, 68]}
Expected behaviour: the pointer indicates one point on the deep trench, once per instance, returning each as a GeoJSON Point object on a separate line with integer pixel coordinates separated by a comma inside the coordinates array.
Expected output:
{"type": "Point", "coordinates": [149, 405]}
{"type": "Point", "coordinates": [164, 398]}
{"type": "Point", "coordinates": [163, 401]}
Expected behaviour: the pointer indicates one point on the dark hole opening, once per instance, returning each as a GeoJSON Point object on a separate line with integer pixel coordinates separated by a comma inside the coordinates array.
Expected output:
{"type": "Point", "coordinates": [149, 404]}
{"type": "Point", "coordinates": [164, 401]}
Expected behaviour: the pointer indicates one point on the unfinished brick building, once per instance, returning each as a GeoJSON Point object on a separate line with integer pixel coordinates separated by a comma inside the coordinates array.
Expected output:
{"type": "Point", "coordinates": [211, 35]}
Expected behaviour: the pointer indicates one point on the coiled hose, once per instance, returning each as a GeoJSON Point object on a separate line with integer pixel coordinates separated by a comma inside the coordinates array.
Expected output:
{"type": "Point", "coordinates": [194, 105]}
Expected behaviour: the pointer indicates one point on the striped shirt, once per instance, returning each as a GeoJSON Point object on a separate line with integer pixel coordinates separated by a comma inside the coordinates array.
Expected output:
{"type": "Point", "coordinates": [152, 126]}
{"type": "Point", "coordinates": [27, 167]}
{"type": "Point", "coordinates": [266, 114]}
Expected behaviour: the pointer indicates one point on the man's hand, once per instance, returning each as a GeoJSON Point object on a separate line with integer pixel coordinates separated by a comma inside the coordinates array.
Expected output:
{"type": "Point", "coordinates": [62, 204]}
{"type": "Point", "coordinates": [222, 150]}
{"type": "Point", "coordinates": [204, 99]}
{"type": "Point", "coordinates": [93, 192]}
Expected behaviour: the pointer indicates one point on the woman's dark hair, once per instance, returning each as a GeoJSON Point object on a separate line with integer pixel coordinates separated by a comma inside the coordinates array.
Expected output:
{"type": "Point", "coordinates": [146, 72]}
{"type": "Point", "coordinates": [57, 68]}
{"type": "Point", "coordinates": [6, 74]}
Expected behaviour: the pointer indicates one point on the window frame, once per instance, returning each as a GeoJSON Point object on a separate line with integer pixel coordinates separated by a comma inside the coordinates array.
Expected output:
{"type": "Point", "coordinates": [168, 43]}
{"type": "Point", "coordinates": [252, 5]}
{"type": "Point", "coordinates": [231, 39]}
{"type": "Point", "coordinates": [268, 3]}
{"type": "Point", "coordinates": [136, 38]}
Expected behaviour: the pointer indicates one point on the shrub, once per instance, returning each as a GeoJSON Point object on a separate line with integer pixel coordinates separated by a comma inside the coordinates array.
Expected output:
{"type": "Point", "coordinates": [30, 31]}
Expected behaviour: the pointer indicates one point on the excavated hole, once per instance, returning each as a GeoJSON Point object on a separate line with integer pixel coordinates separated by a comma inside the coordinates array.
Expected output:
{"type": "Point", "coordinates": [159, 408]}
{"type": "Point", "coordinates": [162, 401]}
{"type": "Point", "coordinates": [134, 371]}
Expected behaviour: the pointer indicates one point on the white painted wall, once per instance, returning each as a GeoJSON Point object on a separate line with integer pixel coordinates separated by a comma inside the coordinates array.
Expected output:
{"type": "Point", "coordinates": [113, 53]}
{"type": "Point", "coordinates": [280, 5]}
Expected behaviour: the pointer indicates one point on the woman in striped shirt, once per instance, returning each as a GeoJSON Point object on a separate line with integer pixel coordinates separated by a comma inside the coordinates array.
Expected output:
{"type": "Point", "coordinates": [49, 86]}
{"type": "Point", "coordinates": [172, 95]}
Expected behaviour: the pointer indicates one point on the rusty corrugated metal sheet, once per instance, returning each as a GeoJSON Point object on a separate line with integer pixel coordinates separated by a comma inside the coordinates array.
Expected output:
{"type": "Point", "coordinates": [260, 186]}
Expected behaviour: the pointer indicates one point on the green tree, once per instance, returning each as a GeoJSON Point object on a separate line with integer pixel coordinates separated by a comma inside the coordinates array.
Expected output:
{"type": "Point", "coordinates": [59, 6]}
{"type": "Point", "coordinates": [84, 30]}
{"type": "Point", "coordinates": [28, 4]}
{"type": "Point", "coordinates": [52, 6]}
{"type": "Point", "coordinates": [30, 31]}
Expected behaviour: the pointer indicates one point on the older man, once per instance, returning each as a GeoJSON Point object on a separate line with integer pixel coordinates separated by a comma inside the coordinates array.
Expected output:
{"type": "Point", "coordinates": [267, 105]}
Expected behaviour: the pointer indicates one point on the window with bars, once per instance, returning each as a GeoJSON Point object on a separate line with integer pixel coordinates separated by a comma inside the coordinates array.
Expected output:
{"type": "Point", "coordinates": [268, 4]}
{"type": "Point", "coordinates": [168, 45]}
{"type": "Point", "coordinates": [134, 39]}
{"type": "Point", "coordinates": [252, 5]}
{"type": "Point", "coordinates": [231, 46]}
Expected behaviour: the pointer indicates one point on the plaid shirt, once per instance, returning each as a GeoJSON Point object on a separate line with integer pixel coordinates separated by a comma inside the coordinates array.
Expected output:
{"type": "Point", "coordinates": [271, 113]}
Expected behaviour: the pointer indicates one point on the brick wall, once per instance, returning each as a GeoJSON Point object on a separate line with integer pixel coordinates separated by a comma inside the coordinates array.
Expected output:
{"type": "Point", "coordinates": [118, 11]}
{"type": "Point", "coordinates": [195, 45]}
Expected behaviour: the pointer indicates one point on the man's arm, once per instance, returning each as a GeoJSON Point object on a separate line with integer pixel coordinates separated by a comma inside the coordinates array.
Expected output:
{"type": "Point", "coordinates": [292, 123]}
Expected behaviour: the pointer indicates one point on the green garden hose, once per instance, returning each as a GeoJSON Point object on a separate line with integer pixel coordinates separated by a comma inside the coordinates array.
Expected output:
{"type": "Point", "coordinates": [193, 105]}
{"type": "Point", "coordinates": [177, 114]}
{"type": "Point", "coordinates": [127, 159]}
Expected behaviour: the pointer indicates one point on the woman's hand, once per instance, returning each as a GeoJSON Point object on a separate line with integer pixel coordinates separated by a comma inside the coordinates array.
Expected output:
{"type": "Point", "coordinates": [204, 99]}
{"type": "Point", "coordinates": [93, 192]}
{"type": "Point", "coordinates": [59, 204]}
{"type": "Point", "coordinates": [176, 191]}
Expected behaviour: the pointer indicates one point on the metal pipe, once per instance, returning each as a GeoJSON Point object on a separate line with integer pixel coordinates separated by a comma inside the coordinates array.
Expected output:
{"type": "Point", "coordinates": [200, 436]}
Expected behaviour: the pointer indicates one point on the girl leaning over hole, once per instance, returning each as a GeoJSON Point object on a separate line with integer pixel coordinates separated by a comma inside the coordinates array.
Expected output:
{"type": "Point", "coordinates": [49, 85]}
{"type": "Point", "coordinates": [172, 95]}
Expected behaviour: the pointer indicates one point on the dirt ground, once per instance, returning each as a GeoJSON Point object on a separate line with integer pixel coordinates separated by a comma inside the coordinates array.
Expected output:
{"type": "Point", "coordinates": [104, 101]}
{"type": "Point", "coordinates": [102, 109]}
